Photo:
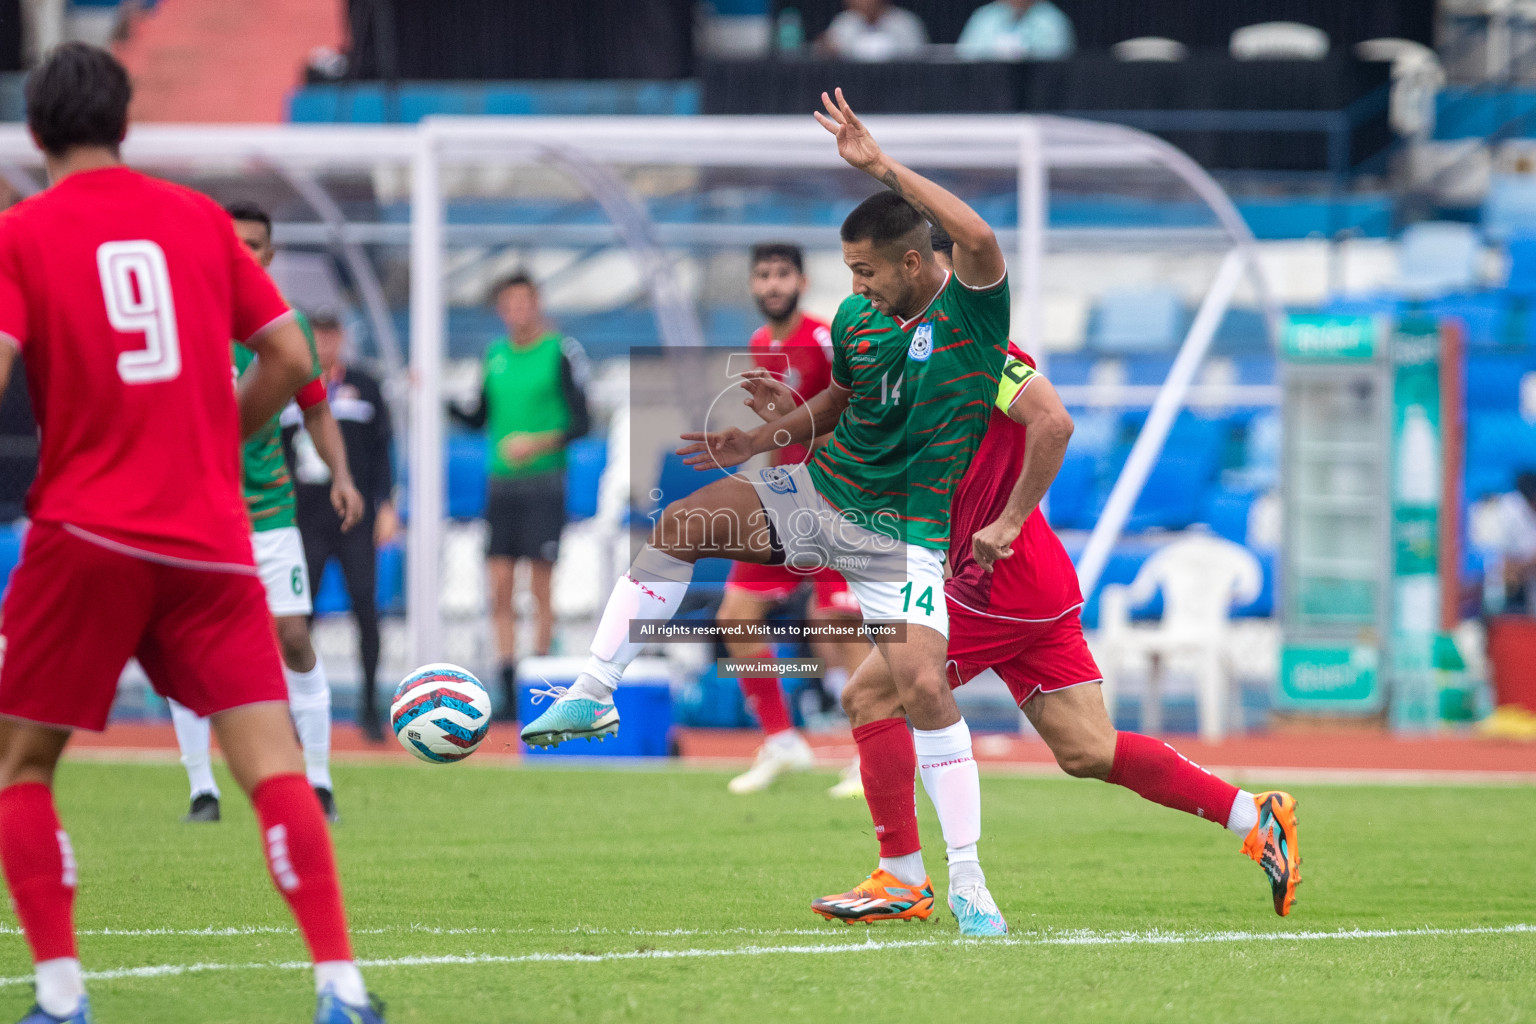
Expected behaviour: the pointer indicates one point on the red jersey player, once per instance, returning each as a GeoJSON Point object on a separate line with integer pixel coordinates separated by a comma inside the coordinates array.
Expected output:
{"type": "Point", "coordinates": [796, 349]}
{"type": "Point", "coordinates": [1014, 607]}
{"type": "Point", "coordinates": [122, 293]}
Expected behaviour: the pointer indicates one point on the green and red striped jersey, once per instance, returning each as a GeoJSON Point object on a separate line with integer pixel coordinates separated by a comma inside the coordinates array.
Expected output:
{"type": "Point", "coordinates": [922, 396]}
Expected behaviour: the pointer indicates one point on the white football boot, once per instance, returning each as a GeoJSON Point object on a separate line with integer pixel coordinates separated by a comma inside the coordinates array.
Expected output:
{"type": "Point", "coordinates": [784, 752]}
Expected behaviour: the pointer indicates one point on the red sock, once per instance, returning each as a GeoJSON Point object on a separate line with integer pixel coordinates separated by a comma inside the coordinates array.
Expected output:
{"type": "Point", "coordinates": [888, 765]}
{"type": "Point", "coordinates": [765, 697]}
{"type": "Point", "coordinates": [39, 869]}
{"type": "Point", "coordinates": [302, 864]}
{"type": "Point", "coordinates": [1155, 771]}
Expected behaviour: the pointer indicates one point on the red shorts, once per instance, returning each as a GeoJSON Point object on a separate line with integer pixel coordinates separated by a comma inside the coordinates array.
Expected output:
{"type": "Point", "coordinates": [777, 583]}
{"type": "Point", "coordinates": [75, 612]}
{"type": "Point", "coordinates": [1031, 657]}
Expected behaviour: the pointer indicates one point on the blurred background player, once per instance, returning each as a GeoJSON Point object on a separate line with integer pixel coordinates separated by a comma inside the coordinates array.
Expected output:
{"type": "Point", "coordinates": [797, 349]}
{"type": "Point", "coordinates": [532, 404]}
{"type": "Point", "coordinates": [357, 403]}
{"type": "Point", "coordinates": [123, 293]}
{"type": "Point", "coordinates": [269, 501]}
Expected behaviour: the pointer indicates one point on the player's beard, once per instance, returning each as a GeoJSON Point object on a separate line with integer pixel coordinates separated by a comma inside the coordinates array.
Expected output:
{"type": "Point", "coordinates": [781, 316]}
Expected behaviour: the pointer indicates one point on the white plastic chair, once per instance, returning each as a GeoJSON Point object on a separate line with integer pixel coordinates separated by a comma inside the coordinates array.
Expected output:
{"type": "Point", "coordinates": [1149, 48]}
{"type": "Point", "coordinates": [1279, 40]}
{"type": "Point", "coordinates": [1202, 578]}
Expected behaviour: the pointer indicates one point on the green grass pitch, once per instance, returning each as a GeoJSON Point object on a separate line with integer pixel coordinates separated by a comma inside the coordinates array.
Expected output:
{"type": "Point", "coordinates": [653, 895]}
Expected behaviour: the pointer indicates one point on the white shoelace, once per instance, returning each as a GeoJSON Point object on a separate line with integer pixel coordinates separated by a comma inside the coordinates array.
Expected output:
{"type": "Point", "coordinates": [978, 897]}
{"type": "Point", "coordinates": [550, 692]}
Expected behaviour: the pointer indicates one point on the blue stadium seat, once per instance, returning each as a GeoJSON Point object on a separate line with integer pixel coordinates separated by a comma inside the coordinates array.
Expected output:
{"type": "Point", "coordinates": [1493, 381]}
{"type": "Point", "coordinates": [1522, 264]}
{"type": "Point", "coordinates": [585, 460]}
{"type": "Point", "coordinates": [1071, 494]}
{"type": "Point", "coordinates": [1510, 208]}
{"type": "Point", "coordinates": [1226, 513]}
{"type": "Point", "coordinates": [1499, 445]}
{"type": "Point", "coordinates": [1125, 322]}
{"type": "Point", "coordinates": [1435, 258]}
{"type": "Point", "coordinates": [466, 475]}
{"type": "Point", "coordinates": [11, 535]}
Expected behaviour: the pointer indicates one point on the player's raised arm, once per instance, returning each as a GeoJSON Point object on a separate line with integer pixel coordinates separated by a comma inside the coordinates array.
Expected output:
{"type": "Point", "coordinates": [1035, 404]}
{"type": "Point", "coordinates": [283, 365]}
{"type": "Point", "coordinates": [978, 258]}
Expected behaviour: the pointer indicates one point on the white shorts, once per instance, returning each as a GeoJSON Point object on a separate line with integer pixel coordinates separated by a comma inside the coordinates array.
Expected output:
{"type": "Point", "coordinates": [280, 563]}
{"type": "Point", "coordinates": [894, 581]}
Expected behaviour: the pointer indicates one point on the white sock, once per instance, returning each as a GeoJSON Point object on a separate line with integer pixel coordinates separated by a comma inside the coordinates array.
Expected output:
{"type": "Point", "coordinates": [1244, 814]}
{"type": "Point", "coordinates": [950, 778]}
{"type": "Point", "coordinates": [60, 986]}
{"type": "Point", "coordinates": [343, 978]}
{"type": "Point", "coordinates": [309, 701]}
{"type": "Point", "coordinates": [192, 736]}
{"type": "Point", "coordinates": [652, 589]}
{"type": "Point", "coordinates": [787, 739]}
{"type": "Point", "coordinates": [908, 869]}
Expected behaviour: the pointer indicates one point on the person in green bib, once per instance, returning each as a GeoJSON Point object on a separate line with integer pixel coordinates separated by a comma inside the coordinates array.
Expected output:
{"type": "Point", "coordinates": [532, 404]}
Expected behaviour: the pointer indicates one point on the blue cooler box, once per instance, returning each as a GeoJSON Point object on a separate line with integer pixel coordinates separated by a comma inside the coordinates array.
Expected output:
{"type": "Point", "coordinates": [644, 701]}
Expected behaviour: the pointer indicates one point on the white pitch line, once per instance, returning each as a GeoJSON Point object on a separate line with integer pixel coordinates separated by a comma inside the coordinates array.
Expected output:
{"type": "Point", "coordinates": [869, 945]}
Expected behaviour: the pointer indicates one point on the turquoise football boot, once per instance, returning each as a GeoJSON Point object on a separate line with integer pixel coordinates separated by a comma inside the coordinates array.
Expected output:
{"type": "Point", "coordinates": [333, 1011]}
{"type": "Point", "coordinates": [570, 718]}
{"type": "Point", "coordinates": [37, 1015]}
{"type": "Point", "coordinates": [976, 912]}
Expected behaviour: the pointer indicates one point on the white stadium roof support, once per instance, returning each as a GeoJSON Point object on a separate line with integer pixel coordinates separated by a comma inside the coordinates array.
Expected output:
{"type": "Point", "coordinates": [586, 148]}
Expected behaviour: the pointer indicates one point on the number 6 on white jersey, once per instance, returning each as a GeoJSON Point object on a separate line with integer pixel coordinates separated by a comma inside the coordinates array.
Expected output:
{"type": "Point", "coordinates": [137, 288]}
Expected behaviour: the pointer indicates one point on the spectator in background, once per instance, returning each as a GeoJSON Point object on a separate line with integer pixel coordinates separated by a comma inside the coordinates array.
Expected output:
{"type": "Point", "coordinates": [358, 406]}
{"type": "Point", "coordinates": [874, 30]}
{"type": "Point", "coordinates": [532, 404]}
{"type": "Point", "coordinates": [1504, 528]}
{"type": "Point", "coordinates": [1017, 30]}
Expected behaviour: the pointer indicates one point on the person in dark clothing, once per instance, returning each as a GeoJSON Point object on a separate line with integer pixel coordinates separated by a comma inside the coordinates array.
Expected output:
{"type": "Point", "coordinates": [532, 404]}
{"type": "Point", "coordinates": [18, 447]}
{"type": "Point", "coordinates": [358, 405]}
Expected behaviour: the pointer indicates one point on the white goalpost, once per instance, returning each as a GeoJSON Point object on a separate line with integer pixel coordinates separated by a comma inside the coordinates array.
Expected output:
{"type": "Point", "coordinates": [599, 157]}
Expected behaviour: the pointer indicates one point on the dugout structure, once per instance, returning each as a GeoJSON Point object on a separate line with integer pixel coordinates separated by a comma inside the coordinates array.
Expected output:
{"type": "Point", "coordinates": [1039, 175]}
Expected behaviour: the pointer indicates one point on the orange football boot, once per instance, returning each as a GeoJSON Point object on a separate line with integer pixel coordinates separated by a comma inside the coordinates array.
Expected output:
{"type": "Point", "coordinates": [1272, 845]}
{"type": "Point", "coordinates": [880, 897]}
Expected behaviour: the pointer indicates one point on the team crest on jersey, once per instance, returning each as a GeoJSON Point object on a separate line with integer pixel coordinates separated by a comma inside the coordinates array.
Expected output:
{"type": "Point", "coordinates": [778, 481]}
{"type": "Point", "coordinates": [922, 343]}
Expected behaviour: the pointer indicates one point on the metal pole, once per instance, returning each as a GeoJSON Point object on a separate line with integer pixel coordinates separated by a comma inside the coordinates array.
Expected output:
{"type": "Point", "coordinates": [1032, 225]}
{"type": "Point", "coordinates": [1149, 443]}
{"type": "Point", "coordinates": [428, 317]}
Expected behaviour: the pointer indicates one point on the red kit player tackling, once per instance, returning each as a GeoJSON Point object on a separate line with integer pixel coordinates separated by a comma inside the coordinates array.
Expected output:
{"type": "Point", "coordinates": [122, 292]}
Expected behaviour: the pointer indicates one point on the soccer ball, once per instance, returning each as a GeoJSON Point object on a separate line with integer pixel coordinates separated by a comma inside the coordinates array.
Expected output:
{"type": "Point", "coordinates": [440, 713]}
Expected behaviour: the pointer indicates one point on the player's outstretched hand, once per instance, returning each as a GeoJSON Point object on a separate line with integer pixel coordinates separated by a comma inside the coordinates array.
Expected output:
{"type": "Point", "coordinates": [722, 448]}
{"type": "Point", "coordinates": [854, 143]}
{"type": "Point", "coordinates": [767, 396]}
{"type": "Point", "coordinates": [348, 502]}
{"type": "Point", "coordinates": [992, 543]}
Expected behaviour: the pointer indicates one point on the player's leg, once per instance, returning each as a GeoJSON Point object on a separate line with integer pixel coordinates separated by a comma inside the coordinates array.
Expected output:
{"type": "Point", "coordinates": [1067, 709]}
{"type": "Point", "coordinates": [541, 573]}
{"type": "Point", "coordinates": [724, 519]}
{"type": "Point", "coordinates": [283, 565]}
{"type": "Point", "coordinates": [836, 604]}
{"type": "Point", "coordinates": [194, 740]}
{"type": "Point", "coordinates": [501, 574]}
{"type": "Point", "coordinates": [783, 748]}
{"type": "Point", "coordinates": [210, 646]}
{"type": "Point", "coordinates": [63, 657]}
{"type": "Point", "coordinates": [40, 865]}
{"type": "Point", "coordinates": [359, 568]}
{"type": "Point", "coordinates": [899, 887]}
